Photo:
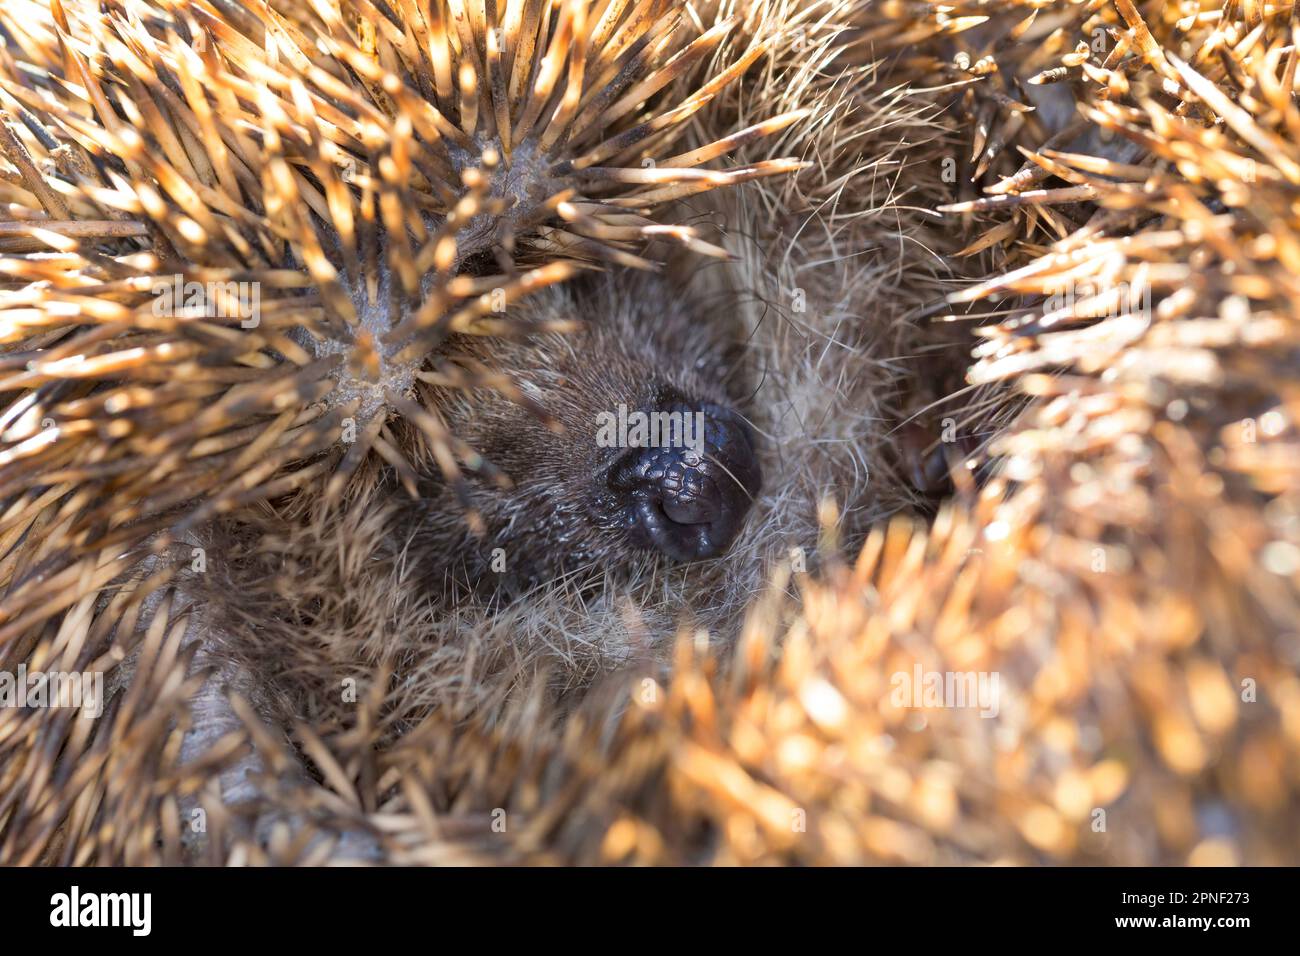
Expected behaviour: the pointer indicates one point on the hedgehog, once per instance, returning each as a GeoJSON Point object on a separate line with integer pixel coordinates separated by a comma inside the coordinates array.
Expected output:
{"type": "Point", "coordinates": [389, 205]}
{"type": "Point", "coordinates": [1122, 560]}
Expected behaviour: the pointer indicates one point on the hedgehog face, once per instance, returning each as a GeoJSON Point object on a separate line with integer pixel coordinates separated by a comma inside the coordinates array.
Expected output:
{"type": "Point", "coordinates": [648, 452]}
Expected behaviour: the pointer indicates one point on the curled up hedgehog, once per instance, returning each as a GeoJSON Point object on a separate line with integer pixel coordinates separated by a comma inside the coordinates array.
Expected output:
{"type": "Point", "coordinates": [323, 322]}
{"type": "Point", "coordinates": [304, 229]}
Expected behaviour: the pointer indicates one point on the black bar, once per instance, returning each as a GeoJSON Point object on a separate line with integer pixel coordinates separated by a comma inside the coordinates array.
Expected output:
{"type": "Point", "coordinates": [331, 906]}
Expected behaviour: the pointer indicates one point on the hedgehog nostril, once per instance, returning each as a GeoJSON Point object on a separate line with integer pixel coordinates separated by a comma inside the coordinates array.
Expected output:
{"type": "Point", "coordinates": [700, 509]}
{"type": "Point", "coordinates": [688, 497]}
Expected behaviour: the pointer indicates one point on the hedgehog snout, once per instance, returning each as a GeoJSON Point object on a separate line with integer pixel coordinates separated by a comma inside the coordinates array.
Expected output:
{"type": "Point", "coordinates": [686, 486]}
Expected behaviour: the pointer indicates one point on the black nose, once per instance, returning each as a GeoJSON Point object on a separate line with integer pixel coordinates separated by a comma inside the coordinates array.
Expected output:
{"type": "Point", "coordinates": [688, 497]}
